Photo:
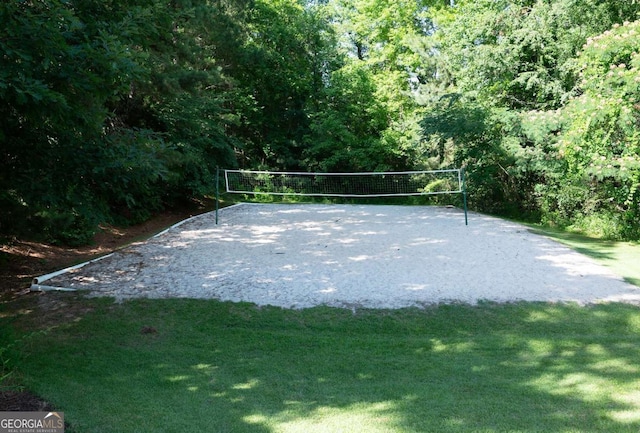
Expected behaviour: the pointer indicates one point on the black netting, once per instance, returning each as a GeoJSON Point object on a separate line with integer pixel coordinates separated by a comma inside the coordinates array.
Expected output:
{"type": "Point", "coordinates": [344, 184]}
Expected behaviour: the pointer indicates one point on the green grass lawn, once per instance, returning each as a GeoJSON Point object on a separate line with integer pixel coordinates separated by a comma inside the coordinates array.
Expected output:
{"type": "Point", "coordinates": [206, 366]}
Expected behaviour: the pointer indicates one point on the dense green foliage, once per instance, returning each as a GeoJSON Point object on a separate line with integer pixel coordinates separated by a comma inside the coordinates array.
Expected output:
{"type": "Point", "coordinates": [541, 105]}
{"type": "Point", "coordinates": [112, 110]}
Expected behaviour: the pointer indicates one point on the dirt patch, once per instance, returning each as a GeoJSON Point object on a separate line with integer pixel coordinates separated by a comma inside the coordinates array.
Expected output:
{"type": "Point", "coordinates": [12, 401]}
{"type": "Point", "coordinates": [22, 260]}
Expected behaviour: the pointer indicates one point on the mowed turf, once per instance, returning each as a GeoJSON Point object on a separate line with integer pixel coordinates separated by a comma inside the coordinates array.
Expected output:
{"type": "Point", "coordinates": [186, 365]}
{"type": "Point", "coordinates": [207, 366]}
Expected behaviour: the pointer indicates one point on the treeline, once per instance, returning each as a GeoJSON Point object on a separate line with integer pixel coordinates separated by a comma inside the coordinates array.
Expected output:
{"type": "Point", "coordinates": [541, 103]}
{"type": "Point", "coordinates": [113, 110]}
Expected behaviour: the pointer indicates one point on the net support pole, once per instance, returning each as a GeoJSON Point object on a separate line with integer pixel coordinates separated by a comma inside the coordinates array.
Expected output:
{"type": "Point", "coordinates": [217, 192]}
{"type": "Point", "coordinates": [464, 196]}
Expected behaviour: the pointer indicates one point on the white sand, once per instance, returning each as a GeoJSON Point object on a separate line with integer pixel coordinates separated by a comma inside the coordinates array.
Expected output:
{"type": "Point", "coordinates": [299, 256]}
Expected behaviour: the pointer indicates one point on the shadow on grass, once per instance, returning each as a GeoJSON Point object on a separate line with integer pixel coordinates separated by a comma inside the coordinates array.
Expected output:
{"type": "Point", "coordinates": [622, 257]}
{"type": "Point", "coordinates": [592, 247]}
{"type": "Point", "coordinates": [182, 365]}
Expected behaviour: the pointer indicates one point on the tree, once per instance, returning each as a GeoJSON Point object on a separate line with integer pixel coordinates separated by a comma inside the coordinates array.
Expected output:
{"type": "Point", "coordinates": [601, 142]}
{"type": "Point", "coordinates": [346, 131]}
{"type": "Point", "coordinates": [369, 116]}
{"type": "Point", "coordinates": [110, 111]}
{"type": "Point", "coordinates": [518, 54]}
{"type": "Point", "coordinates": [516, 61]}
{"type": "Point", "coordinates": [57, 76]}
{"type": "Point", "coordinates": [279, 70]}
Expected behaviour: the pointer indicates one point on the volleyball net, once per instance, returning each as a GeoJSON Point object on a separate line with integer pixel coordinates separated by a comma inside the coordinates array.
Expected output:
{"type": "Point", "coordinates": [346, 185]}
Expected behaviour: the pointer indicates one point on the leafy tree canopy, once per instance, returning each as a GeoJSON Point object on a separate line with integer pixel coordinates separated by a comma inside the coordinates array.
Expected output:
{"type": "Point", "coordinates": [113, 110]}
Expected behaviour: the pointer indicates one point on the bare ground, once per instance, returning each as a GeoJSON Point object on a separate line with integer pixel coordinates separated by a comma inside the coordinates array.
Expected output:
{"type": "Point", "coordinates": [23, 260]}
